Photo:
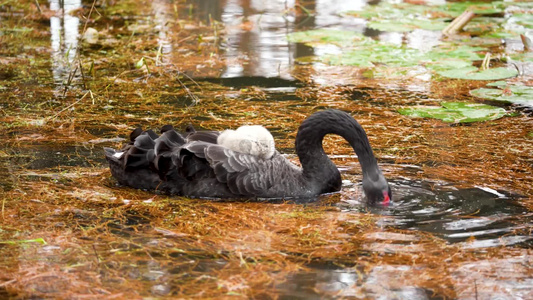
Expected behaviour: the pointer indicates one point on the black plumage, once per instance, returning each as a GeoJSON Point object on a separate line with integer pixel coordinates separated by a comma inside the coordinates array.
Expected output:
{"type": "Point", "coordinates": [194, 165]}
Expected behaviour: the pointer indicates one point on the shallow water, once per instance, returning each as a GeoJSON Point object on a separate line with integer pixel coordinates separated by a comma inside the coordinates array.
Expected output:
{"type": "Point", "coordinates": [459, 226]}
{"type": "Point", "coordinates": [389, 282]}
{"type": "Point", "coordinates": [457, 214]}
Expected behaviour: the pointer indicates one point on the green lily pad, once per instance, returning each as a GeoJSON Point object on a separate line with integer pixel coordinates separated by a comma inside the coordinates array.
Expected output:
{"type": "Point", "coordinates": [512, 27]}
{"type": "Point", "coordinates": [390, 11]}
{"type": "Point", "coordinates": [327, 36]}
{"type": "Point", "coordinates": [473, 73]}
{"type": "Point", "coordinates": [369, 55]}
{"type": "Point", "coordinates": [456, 112]}
{"type": "Point", "coordinates": [360, 51]}
{"type": "Point", "coordinates": [391, 73]}
{"type": "Point", "coordinates": [400, 17]}
{"type": "Point", "coordinates": [479, 8]}
{"type": "Point", "coordinates": [497, 83]}
{"type": "Point", "coordinates": [452, 58]}
{"type": "Point", "coordinates": [405, 11]}
{"type": "Point", "coordinates": [447, 59]}
{"type": "Point", "coordinates": [462, 52]}
{"type": "Point", "coordinates": [522, 56]}
{"type": "Point", "coordinates": [448, 64]}
{"type": "Point", "coordinates": [518, 94]}
{"type": "Point", "coordinates": [350, 58]}
{"type": "Point", "coordinates": [483, 25]}
{"type": "Point", "coordinates": [405, 25]}
{"type": "Point", "coordinates": [525, 20]}
{"type": "Point", "coordinates": [519, 4]}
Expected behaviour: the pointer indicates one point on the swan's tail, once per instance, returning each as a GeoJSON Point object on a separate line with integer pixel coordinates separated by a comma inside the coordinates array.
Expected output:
{"type": "Point", "coordinates": [145, 162]}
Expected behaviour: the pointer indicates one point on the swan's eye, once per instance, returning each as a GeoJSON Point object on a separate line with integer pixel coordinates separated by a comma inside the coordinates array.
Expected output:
{"type": "Point", "coordinates": [386, 198]}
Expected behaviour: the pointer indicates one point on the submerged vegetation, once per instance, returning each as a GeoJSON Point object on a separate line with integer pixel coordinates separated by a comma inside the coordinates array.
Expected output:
{"type": "Point", "coordinates": [68, 231]}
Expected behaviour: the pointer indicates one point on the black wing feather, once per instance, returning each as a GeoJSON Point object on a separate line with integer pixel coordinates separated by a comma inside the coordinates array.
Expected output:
{"type": "Point", "coordinates": [195, 162]}
{"type": "Point", "coordinates": [204, 136]}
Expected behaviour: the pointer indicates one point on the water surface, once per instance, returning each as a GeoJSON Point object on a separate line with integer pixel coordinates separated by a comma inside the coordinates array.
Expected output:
{"type": "Point", "coordinates": [459, 226]}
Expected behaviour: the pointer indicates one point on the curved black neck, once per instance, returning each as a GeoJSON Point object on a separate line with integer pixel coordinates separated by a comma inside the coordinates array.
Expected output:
{"type": "Point", "coordinates": [309, 143]}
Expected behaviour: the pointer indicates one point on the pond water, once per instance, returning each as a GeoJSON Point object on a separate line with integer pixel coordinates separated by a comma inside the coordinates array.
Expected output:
{"type": "Point", "coordinates": [460, 222]}
{"type": "Point", "coordinates": [256, 33]}
{"type": "Point", "coordinates": [454, 214]}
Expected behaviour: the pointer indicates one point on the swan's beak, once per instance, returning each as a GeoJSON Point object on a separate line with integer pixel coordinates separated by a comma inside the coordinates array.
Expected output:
{"type": "Point", "coordinates": [386, 199]}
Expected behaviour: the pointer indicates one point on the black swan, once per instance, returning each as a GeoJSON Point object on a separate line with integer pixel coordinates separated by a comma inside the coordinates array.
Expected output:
{"type": "Point", "coordinates": [194, 164]}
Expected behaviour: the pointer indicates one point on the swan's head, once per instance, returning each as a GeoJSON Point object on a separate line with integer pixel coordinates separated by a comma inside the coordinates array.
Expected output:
{"type": "Point", "coordinates": [377, 191]}
{"type": "Point", "coordinates": [250, 139]}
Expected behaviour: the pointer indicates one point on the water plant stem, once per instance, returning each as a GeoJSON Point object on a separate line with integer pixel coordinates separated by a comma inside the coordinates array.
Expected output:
{"type": "Point", "coordinates": [38, 7]}
{"type": "Point", "coordinates": [459, 23]}
{"type": "Point", "coordinates": [305, 10]}
{"type": "Point", "coordinates": [527, 41]}
{"type": "Point", "coordinates": [485, 65]}
{"type": "Point", "coordinates": [71, 105]}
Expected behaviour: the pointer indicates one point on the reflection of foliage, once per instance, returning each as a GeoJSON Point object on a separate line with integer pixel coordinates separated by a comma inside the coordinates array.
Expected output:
{"type": "Point", "coordinates": [456, 112]}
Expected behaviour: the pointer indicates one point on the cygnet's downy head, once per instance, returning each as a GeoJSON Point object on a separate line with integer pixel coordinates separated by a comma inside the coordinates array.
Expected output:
{"type": "Point", "coordinates": [250, 139]}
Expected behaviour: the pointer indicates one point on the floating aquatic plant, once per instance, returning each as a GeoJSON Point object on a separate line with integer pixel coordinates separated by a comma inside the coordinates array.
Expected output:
{"type": "Point", "coordinates": [456, 112]}
{"type": "Point", "coordinates": [406, 25]}
{"type": "Point", "coordinates": [401, 17]}
{"type": "Point", "coordinates": [375, 53]}
{"type": "Point", "coordinates": [473, 73]}
{"type": "Point", "coordinates": [449, 60]}
{"type": "Point", "coordinates": [327, 36]}
{"type": "Point", "coordinates": [107, 241]}
{"type": "Point", "coordinates": [517, 94]}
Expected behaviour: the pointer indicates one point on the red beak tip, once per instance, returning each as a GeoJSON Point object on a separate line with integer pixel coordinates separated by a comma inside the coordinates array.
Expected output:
{"type": "Point", "coordinates": [386, 198]}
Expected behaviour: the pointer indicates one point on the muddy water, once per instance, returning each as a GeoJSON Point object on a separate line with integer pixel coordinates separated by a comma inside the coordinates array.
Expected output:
{"type": "Point", "coordinates": [459, 226]}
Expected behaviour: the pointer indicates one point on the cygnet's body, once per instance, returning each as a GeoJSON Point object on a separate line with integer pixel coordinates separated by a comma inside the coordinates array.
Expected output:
{"type": "Point", "coordinates": [249, 139]}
